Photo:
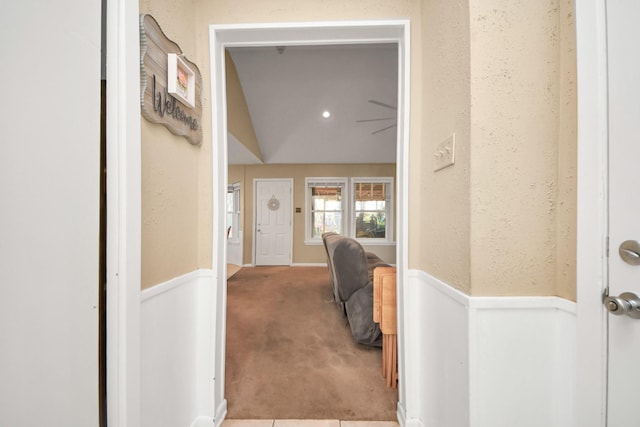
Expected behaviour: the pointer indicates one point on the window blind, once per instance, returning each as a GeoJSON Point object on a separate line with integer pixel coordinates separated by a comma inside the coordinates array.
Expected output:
{"type": "Point", "coordinates": [371, 191]}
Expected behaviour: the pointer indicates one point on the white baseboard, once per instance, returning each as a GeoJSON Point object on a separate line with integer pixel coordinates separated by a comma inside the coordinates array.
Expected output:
{"type": "Point", "coordinates": [401, 414]}
{"type": "Point", "coordinates": [298, 264]}
{"type": "Point", "coordinates": [486, 361]}
{"type": "Point", "coordinates": [309, 264]}
{"type": "Point", "coordinates": [221, 413]}
{"type": "Point", "coordinates": [203, 422]}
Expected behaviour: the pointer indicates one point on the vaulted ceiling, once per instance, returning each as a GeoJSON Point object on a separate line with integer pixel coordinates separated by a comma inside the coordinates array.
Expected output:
{"type": "Point", "coordinates": [287, 90]}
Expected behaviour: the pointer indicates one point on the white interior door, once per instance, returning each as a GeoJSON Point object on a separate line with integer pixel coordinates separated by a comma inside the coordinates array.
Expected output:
{"type": "Point", "coordinates": [273, 221]}
{"type": "Point", "coordinates": [623, 34]}
{"type": "Point", "coordinates": [49, 221]}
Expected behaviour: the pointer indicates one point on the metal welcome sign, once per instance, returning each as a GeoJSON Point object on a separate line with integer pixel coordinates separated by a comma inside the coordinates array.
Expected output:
{"type": "Point", "coordinates": [170, 84]}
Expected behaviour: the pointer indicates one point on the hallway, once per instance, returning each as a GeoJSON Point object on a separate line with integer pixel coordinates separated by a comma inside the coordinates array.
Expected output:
{"type": "Point", "coordinates": [291, 353]}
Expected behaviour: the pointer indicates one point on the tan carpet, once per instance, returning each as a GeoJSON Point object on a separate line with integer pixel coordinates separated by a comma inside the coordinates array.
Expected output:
{"type": "Point", "coordinates": [290, 353]}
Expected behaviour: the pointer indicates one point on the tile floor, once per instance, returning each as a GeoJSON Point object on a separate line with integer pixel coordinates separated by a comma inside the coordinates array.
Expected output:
{"type": "Point", "coordinates": [307, 423]}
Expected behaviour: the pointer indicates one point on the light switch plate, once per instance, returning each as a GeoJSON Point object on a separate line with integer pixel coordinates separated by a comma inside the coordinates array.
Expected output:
{"type": "Point", "coordinates": [445, 153]}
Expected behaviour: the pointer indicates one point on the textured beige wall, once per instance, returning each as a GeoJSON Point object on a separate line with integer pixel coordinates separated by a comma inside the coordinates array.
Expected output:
{"type": "Point", "coordinates": [501, 75]}
{"type": "Point", "coordinates": [252, 11]}
{"type": "Point", "coordinates": [498, 73]}
{"type": "Point", "coordinates": [302, 253]}
{"type": "Point", "coordinates": [170, 202]}
{"type": "Point", "coordinates": [515, 52]}
{"type": "Point", "coordinates": [238, 118]}
{"type": "Point", "coordinates": [177, 19]}
{"type": "Point", "coordinates": [445, 226]}
{"type": "Point", "coordinates": [567, 155]}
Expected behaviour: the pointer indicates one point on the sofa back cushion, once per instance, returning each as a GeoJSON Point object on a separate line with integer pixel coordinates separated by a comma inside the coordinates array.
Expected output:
{"type": "Point", "coordinates": [350, 267]}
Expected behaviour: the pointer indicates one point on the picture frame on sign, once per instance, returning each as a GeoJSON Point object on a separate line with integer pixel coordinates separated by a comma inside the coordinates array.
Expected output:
{"type": "Point", "coordinates": [180, 80]}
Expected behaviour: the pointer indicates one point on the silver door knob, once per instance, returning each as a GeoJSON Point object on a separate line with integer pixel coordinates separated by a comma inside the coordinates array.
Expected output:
{"type": "Point", "coordinates": [627, 303]}
{"type": "Point", "coordinates": [629, 251]}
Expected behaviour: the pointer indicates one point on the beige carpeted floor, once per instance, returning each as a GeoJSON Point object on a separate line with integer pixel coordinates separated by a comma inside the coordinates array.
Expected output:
{"type": "Point", "coordinates": [290, 353]}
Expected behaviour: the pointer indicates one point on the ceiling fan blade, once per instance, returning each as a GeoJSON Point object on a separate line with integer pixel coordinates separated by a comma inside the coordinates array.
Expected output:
{"type": "Point", "coordinates": [380, 130]}
{"type": "Point", "coordinates": [375, 120]}
{"type": "Point", "coordinates": [382, 104]}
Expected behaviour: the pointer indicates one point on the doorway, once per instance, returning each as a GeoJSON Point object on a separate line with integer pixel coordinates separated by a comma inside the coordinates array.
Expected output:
{"type": "Point", "coordinates": [226, 36]}
{"type": "Point", "coordinates": [272, 221]}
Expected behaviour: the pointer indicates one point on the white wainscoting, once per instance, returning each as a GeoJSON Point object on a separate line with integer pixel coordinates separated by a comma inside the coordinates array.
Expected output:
{"type": "Point", "coordinates": [487, 361]}
{"type": "Point", "coordinates": [171, 348]}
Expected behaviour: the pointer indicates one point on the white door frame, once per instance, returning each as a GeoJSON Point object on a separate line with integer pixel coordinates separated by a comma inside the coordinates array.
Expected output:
{"type": "Point", "coordinates": [592, 230]}
{"type": "Point", "coordinates": [234, 245]}
{"type": "Point", "coordinates": [307, 33]}
{"type": "Point", "coordinates": [255, 216]}
{"type": "Point", "coordinates": [123, 213]}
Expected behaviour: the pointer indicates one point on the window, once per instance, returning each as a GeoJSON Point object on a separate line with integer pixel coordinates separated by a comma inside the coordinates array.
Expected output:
{"type": "Point", "coordinates": [325, 201]}
{"type": "Point", "coordinates": [358, 207]}
{"type": "Point", "coordinates": [372, 208]}
{"type": "Point", "coordinates": [233, 212]}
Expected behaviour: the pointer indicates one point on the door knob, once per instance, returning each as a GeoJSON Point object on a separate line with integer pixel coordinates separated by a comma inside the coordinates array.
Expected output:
{"type": "Point", "coordinates": [629, 251]}
{"type": "Point", "coordinates": [627, 303]}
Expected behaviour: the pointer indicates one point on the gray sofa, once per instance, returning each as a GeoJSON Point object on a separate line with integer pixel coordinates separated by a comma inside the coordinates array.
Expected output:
{"type": "Point", "coordinates": [351, 277]}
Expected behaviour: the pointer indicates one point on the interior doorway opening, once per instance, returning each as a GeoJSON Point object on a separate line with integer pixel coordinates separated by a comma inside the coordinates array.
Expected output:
{"type": "Point", "coordinates": [222, 37]}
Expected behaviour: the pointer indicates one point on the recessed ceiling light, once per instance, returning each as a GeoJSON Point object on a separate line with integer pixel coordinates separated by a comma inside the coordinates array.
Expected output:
{"type": "Point", "coordinates": [326, 114]}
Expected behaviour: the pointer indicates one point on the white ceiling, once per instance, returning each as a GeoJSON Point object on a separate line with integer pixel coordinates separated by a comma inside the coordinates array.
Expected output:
{"type": "Point", "coordinates": [287, 92]}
